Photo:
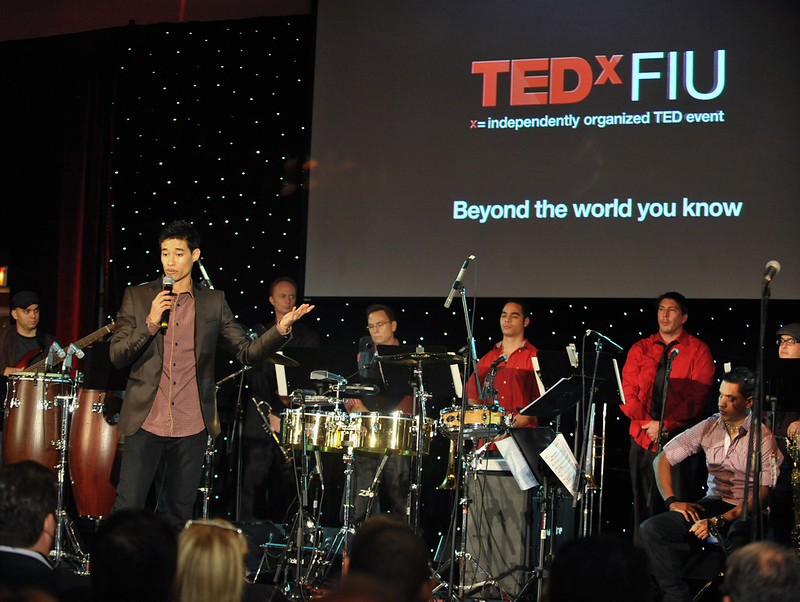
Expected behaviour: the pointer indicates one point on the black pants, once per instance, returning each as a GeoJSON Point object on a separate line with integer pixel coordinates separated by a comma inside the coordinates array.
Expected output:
{"type": "Point", "coordinates": [661, 538]}
{"type": "Point", "coordinates": [687, 481]}
{"type": "Point", "coordinates": [141, 454]}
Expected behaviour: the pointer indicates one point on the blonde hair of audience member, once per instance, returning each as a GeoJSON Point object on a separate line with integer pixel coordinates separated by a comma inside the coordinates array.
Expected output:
{"type": "Point", "coordinates": [211, 561]}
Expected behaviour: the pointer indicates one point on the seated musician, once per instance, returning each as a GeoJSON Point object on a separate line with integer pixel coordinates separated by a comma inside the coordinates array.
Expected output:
{"type": "Point", "coordinates": [723, 439]}
{"type": "Point", "coordinates": [26, 343]}
{"type": "Point", "coordinates": [394, 395]}
{"type": "Point", "coordinates": [515, 379]}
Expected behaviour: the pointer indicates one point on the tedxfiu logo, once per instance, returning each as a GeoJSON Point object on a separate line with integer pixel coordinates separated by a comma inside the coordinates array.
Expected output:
{"type": "Point", "coordinates": [549, 81]}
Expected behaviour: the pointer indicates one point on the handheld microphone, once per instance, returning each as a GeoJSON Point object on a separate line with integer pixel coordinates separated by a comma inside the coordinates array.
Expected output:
{"type": "Point", "coordinates": [772, 268]}
{"type": "Point", "coordinates": [169, 281]}
{"type": "Point", "coordinates": [614, 347]}
{"type": "Point", "coordinates": [458, 281]}
{"type": "Point", "coordinates": [497, 362]}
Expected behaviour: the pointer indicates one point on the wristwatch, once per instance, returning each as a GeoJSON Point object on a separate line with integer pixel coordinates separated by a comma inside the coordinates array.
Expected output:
{"type": "Point", "coordinates": [720, 523]}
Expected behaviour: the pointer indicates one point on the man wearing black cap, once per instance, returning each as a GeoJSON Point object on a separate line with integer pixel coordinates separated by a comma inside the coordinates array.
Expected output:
{"type": "Point", "coordinates": [26, 344]}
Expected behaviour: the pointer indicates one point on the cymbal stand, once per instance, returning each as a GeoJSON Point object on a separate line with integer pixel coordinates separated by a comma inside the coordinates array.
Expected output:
{"type": "Point", "coordinates": [64, 524]}
{"type": "Point", "coordinates": [420, 397]}
{"type": "Point", "coordinates": [297, 533]}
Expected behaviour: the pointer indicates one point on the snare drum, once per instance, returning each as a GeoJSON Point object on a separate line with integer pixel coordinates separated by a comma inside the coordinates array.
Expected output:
{"type": "Point", "coordinates": [323, 430]}
{"type": "Point", "coordinates": [94, 451]}
{"type": "Point", "coordinates": [32, 427]}
{"type": "Point", "coordinates": [395, 433]}
{"type": "Point", "coordinates": [480, 422]}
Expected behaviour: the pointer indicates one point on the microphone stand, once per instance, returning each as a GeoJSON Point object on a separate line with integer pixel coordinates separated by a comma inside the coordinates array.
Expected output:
{"type": "Point", "coordinates": [586, 461]}
{"type": "Point", "coordinates": [470, 359]}
{"type": "Point", "coordinates": [754, 460]}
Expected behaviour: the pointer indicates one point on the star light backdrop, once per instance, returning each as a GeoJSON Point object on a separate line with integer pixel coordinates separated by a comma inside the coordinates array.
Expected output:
{"type": "Point", "coordinates": [213, 125]}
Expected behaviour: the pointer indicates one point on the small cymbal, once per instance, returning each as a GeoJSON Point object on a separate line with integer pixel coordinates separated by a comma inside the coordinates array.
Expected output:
{"type": "Point", "coordinates": [412, 359]}
{"type": "Point", "coordinates": [282, 360]}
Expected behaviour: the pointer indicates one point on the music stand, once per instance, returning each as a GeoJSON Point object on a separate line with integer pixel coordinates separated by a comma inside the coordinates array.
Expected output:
{"type": "Point", "coordinates": [553, 366]}
{"type": "Point", "coordinates": [557, 399]}
{"type": "Point", "coordinates": [532, 441]}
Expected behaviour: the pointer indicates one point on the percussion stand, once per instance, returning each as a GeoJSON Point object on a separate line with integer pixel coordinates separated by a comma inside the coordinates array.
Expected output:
{"type": "Point", "coordinates": [63, 522]}
{"type": "Point", "coordinates": [341, 542]}
{"type": "Point", "coordinates": [471, 460]}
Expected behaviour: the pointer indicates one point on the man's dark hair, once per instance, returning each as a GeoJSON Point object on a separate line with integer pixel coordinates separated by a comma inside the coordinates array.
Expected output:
{"type": "Point", "coordinates": [280, 279]}
{"type": "Point", "coordinates": [379, 307]}
{"type": "Point", "coordinates": [526, 311]}
{"type": "Point", "coordinates": [385, 548]}
{"type": "Point", "coordinates": [677, 297]}
{"type": "Point", "coordinates": [135, 557]}
{"type": "Point", "coordinates": [762, 571]}
{"type": "Point", "coordinates": [28, 493]}
{"type": "Point", "coordinates": [743, 377]}
{"type": "Point", "coordinates": [599, 567]}
{"type": "Point", "coordinates": [182, 230]}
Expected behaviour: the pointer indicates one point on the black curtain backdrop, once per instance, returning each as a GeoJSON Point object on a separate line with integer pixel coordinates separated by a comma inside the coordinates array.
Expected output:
{"type": "Point", "coordinates": [110, 134]}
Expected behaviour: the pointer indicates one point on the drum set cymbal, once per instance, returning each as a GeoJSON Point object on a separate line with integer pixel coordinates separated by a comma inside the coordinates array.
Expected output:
{"type": "Point", "coordinates": [415, 359]}
{"type": "Point", "coordinates": [280, 359]}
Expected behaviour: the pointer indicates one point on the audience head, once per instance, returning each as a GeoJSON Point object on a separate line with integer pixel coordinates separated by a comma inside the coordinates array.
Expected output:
{"type": "Point", "coordinates": [134, 558]}
{"type": "Point", "coordinates": [28, 499]}
{"type": "Point", "coordinates": [762, 571]}
{"type": "Point", "coordinates": [386, 550]}
{"type": "Point", "coordinates": [600, 567]}
{"type": "Point", "coordinates": [211, 561]}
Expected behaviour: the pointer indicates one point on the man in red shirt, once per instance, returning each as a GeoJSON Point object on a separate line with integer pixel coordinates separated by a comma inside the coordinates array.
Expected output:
{"type": "Point", "coordinates": [515, 379]}
{"type": "Point", "coordinates": [643, 379]}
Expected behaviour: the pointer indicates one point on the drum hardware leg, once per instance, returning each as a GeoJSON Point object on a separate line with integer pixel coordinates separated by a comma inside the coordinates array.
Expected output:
{"type": "Point", "coordinates": [415, 494]}
{"type": "Point", "coordinates": [341, 542]}
{"type": "Point", "coordinates": [547, 534]}
{"type": "Point", "coordinates": [463, 556]}
{"type": "Point", "coordinates": [206, 488]}
{"type": "Point", "coordinates": [63, 523]}
{"type": "Point", "coordinates": [372, 492]}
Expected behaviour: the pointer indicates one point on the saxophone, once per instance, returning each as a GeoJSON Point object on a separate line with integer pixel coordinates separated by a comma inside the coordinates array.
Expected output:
{"type": "Point", "coordinates": [793, 449]}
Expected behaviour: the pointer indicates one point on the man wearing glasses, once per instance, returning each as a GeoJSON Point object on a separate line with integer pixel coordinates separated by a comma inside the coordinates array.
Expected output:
{"type": "Point", "coordinates": [787, 423]}
{"type": "Point", "coordinates": [394, 395]}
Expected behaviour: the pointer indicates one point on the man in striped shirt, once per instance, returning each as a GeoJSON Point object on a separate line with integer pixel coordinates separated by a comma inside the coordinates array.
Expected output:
{"type": "Point", "coordinates": [723, 438]}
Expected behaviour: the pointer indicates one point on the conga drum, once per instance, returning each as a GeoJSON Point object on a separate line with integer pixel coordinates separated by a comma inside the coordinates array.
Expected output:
{"type": "Point", "coordinates": [32, 426]}
{"type": "Point", "coordinates": [93, 451]}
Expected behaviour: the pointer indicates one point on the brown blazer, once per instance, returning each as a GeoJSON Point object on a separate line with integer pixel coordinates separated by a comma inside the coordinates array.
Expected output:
{"type": "Point", "coordinates": [133, 345]}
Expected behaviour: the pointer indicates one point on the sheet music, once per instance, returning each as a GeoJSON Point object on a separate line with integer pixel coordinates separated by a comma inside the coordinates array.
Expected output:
{"type": "Point", "coordinates": [516, 462]}
{"type": "Point", "coordinates": [280, 375]}
{"type": "Point", "coordinates": [562, 462]}
{"type": "Point", "coordinates": [619, 380]}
